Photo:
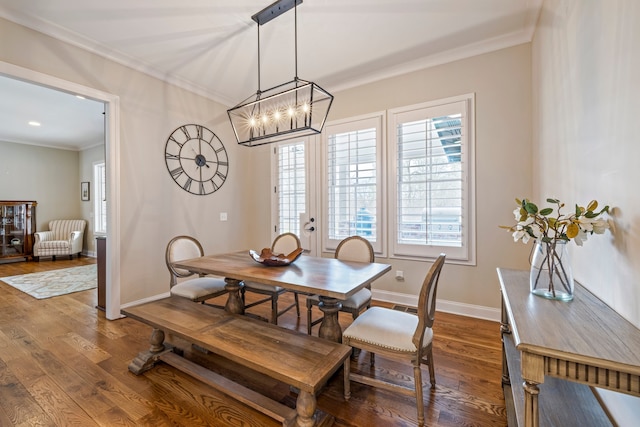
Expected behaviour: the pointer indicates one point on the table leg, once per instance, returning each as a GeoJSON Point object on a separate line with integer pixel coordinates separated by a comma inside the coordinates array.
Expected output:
{"type": "Point", "coordinates": [330, 327]}
{"type": "Point", "coordinates": [531, 392]}
{"type": "Point", "coordinates": [504, 330]}
{"type": "Point", "coordinates": [234, 303]}
{"type": "Point", "coordinates": [305, 408]}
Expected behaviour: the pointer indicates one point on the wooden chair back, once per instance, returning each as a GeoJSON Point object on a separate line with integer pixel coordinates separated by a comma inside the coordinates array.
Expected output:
{"type": "Point", "coordinates": [355, 248]}
{"type": "Point", "coordinates": [285, 243]}
{"type": "Point", "coordinates": [427, 301]}
{"type": "Point", "coordinates": [178, 249]}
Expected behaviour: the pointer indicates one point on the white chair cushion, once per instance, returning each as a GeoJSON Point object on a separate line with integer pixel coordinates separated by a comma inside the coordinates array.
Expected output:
{"type": "Point", "coordinates": [262, 287]}
{"type": "Point", "coordinates": [356, 300]}
{"type": "Point", "coordinates": [387, 328]}
{"type": "Point", "coordinates": [198, 288]}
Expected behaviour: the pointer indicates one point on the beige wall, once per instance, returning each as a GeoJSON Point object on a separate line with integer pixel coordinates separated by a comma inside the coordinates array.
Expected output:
{"type": "Point", "coordinates": [46, 175]}
{"type": "Point", "coordinates": [502, 85]}
{"type": "Point", "coordinates": [586, 74]}
{"type": "Point", "coordinates": [586, 107]}
{"type": "Point", "coordinates": [152, 207]}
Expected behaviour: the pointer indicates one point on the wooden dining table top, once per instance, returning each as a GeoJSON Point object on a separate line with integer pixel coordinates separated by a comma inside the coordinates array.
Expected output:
{"type": "Point", "coordinates": [326, 277]}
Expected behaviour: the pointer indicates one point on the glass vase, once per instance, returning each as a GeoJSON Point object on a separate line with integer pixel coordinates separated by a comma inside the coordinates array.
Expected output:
{"type": "Point", "coordinates": [551, 275]}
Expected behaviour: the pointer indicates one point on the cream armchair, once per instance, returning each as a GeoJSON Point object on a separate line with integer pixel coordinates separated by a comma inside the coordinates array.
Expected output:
{"type": "Point", "coordinates": [64, 238]}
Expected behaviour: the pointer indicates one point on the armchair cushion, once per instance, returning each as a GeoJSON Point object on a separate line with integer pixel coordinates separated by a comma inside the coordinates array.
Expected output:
{"type": "Point", "coordinates": [65, 237]}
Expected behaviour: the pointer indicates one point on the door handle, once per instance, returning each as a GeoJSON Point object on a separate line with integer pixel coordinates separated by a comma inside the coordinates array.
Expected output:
{"type": "Point", "coordinates": [311, 220]}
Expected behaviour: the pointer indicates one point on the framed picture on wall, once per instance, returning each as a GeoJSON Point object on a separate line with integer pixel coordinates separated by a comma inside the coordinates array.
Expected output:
{"type": "Point", "coordinates": [84, 191]}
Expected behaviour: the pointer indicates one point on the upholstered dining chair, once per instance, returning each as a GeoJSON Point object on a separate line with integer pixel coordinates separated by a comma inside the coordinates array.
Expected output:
{"type": "Point", "coordinates": [354, 248]}
{"type": "Point", "coordinates": [400, 336]}
{"type": "Point", "coordinates": [197, 289]}
{"type": "Point", "coordinates": [283, 244]}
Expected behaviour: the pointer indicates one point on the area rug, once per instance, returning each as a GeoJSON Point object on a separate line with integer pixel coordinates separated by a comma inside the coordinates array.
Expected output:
{"type": "Point", "coordinates": [55, 282]}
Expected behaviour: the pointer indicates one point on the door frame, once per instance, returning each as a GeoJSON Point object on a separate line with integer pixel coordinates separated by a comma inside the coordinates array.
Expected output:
{"type": "Point", "coordinates": [112, 159]}
{"type": "Point", "coordinates": [312, 163]}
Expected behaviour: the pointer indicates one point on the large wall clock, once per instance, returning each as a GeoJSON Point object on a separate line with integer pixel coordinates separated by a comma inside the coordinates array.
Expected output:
{"type": "Point", "coordinates": [196, 159]}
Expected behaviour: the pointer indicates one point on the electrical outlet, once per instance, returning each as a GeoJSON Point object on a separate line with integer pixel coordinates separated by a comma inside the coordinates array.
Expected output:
{"type": "Point", "coordinates": [223, 216]}
{"type": "Point", "coordinates": [400, 275]}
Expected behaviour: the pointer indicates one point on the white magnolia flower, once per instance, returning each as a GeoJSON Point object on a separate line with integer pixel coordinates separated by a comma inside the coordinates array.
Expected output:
{"type": "Point", "coordinates": [552, 225]}
{"type": "Point", "coordinates": [585, 223]}
{"type": "Point", "coordinates": [516, 213]}
{"type": "Point", "coordinates": [600, 226]}
{"type": "Point", "coordinates": [520, 234]}
{"type": "Point", "coordinates": [581, 237]}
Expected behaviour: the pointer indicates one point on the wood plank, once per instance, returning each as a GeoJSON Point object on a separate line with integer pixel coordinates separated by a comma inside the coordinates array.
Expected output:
{"type": "Point", "coordinates": [273, 409]}
{"type": "Point", "coordinates": [296, 359]}
{"type": "Point", "coordinates": [179, 400]}
{"type": "Point", "coordinates": [313, 275]}
{"type": "Point", "coordinates": [561, 403]}
{"type": "Point", "coordinates": [595, 328]}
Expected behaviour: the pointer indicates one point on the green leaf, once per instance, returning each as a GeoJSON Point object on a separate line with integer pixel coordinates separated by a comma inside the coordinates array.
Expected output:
{"type": "Point", "coordinates": [531, 208]}
{"type": "Point", "coordinates": [546, 211]}
{"type": "Point", "coordinates": [553, 201]}
{"type": "Point", "coordinates": [578, 210]}
{"type": "Point", "coordinates": [593, 205]}
{"type": "Point", "coordinates": [518, 202]}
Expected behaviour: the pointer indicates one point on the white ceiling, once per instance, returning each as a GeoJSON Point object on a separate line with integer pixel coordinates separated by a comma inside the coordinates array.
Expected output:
{"type": "Point", "coordinates": [211, 46]}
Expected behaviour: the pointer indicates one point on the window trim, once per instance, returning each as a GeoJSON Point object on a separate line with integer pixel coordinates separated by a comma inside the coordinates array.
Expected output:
{"type": "Point", "coordinates": [378, 119]}
{"type": "Point", "coordinates": [99, 196]}
{"type": "Point", "coordinates": [467, 253]}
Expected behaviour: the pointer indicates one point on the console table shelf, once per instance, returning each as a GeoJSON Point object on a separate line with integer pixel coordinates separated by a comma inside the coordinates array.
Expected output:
{"type": "Point", "coordinates": [554, 352]}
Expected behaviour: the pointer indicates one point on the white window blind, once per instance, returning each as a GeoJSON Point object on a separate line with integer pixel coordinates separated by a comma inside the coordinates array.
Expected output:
{"type": "Point", "coordinates": [100, 198]}
{"type": "Point", "coordinates": [291, 186]}
{"type": "Point", "coordinates": [353, 181]}
{"type": "Point", "coordinates": [432, 200]}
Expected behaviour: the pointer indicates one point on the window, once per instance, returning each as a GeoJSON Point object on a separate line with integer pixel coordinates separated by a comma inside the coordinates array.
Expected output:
{"type": "Point", "coordinates": [291, 186]}
{"type": "Point", "coordinates": [432, 148]}
{"type": "Point", "coordinates": [353, 161]}
{"type": "Point", "coordinates": [100, 198]}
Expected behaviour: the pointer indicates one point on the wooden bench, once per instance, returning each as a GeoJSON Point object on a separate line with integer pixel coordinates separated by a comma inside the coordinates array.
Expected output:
{"type": "Point", "coordinates": [298, 360]}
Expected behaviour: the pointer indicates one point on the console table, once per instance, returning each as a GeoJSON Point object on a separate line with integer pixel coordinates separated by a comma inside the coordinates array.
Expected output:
{"type": "Point", "coordinates": [554, 351]}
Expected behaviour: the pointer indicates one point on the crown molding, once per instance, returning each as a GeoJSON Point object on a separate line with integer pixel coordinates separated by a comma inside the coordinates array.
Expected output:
{"type": "Point", "coordinates": [77, 40]}
{"type": "Point", "coordinates": [468, 51]}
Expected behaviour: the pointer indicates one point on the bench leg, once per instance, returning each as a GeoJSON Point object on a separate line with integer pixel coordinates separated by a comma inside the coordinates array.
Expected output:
{"type": "Point", "coordinates": [234, 303]}
{"type": "Point", "coordinates": [147, 359]}
{"type": "Point", "coordinates": [305, 408]}
{"type": "Point", "coordinates": [330, 328]}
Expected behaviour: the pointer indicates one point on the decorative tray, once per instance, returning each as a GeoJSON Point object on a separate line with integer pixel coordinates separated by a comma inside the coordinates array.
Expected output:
{"type": "Point", "coordinates": [270, 259]}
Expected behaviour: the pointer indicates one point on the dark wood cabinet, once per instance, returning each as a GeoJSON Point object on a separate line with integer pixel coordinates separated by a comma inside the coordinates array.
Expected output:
{"type": "Point", "coordinates": [17, 225]}
{"type": "Point", "coordinates": [101, 248]}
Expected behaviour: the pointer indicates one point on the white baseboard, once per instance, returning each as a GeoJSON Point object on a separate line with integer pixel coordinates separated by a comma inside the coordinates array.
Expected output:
{"type": "Point", "coordinates": [144, 300]}
{"type": "Point", "coordinates": [477, 311]}
{"type": "Point", "coordinates": [453, 307]}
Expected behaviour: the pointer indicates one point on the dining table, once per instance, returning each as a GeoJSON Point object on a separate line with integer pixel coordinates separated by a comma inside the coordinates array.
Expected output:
{"type": "Point", "coordinates": [331, 279]}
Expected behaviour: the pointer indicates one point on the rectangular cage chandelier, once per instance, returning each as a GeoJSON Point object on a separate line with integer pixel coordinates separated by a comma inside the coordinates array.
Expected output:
{"type": "Point", "coordinates": [293, 109]}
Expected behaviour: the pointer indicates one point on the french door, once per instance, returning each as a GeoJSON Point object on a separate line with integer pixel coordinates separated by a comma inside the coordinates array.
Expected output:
{"type": "Point", "coordinates": [294, 179]}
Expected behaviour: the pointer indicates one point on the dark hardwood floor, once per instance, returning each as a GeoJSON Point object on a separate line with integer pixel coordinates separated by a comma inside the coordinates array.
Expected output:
{"type": "Point", "coordinates": [62, 363]}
